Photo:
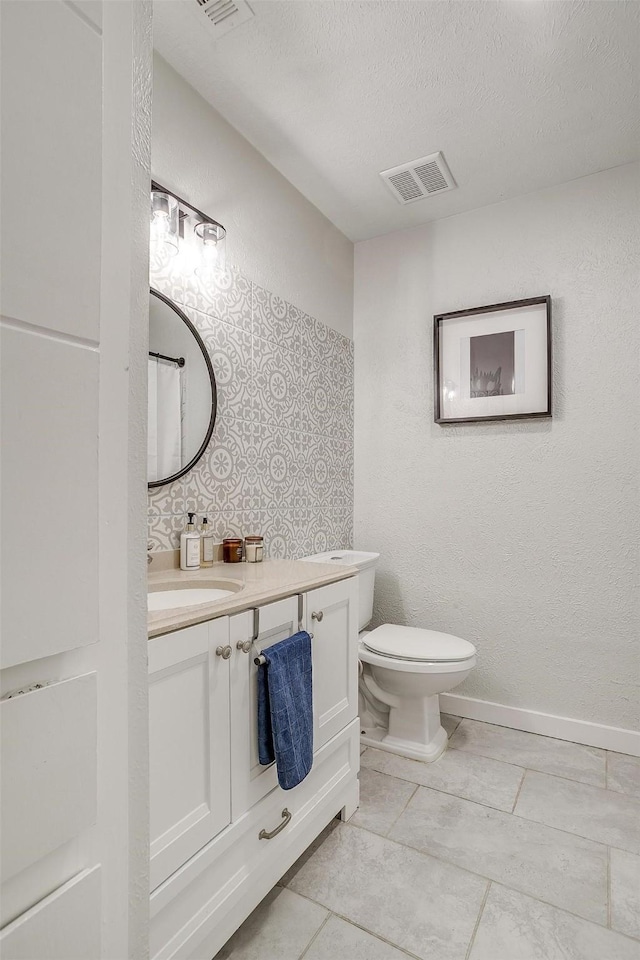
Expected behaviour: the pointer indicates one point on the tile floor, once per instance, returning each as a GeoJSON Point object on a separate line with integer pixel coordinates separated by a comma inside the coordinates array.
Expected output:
{"type": "Point", "coordinates": [512, 846]}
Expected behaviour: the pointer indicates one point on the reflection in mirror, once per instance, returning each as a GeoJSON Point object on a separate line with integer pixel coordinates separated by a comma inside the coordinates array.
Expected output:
{"type": "Point", "coordinates": [182, 393]}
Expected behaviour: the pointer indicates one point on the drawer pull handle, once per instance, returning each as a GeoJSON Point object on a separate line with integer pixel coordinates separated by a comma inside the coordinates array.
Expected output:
{"type": "Point", "coordinates": [245, 645]}
{"type": "Point", "coordinates": [317, 616]}
{"type": "Point", "coordinates": [224, 652]}
{"type": "Point", "coordinates": [270, 834]}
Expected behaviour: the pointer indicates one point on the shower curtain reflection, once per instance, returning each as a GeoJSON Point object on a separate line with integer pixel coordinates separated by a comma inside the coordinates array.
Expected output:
{"type": "Point", "coordinates": [165, 421]}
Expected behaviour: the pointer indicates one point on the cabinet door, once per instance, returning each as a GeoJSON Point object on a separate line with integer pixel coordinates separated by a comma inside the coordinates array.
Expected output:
{"type": "Point", "coordinates": [332, 618]}
{"type": "Point", "coordinates": [188, 743]}
{"type": "Point", "coordinates": [250, 780]}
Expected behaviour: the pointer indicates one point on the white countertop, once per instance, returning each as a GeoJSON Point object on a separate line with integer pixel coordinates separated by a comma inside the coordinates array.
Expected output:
{"type": "Point", "coordinates": [258, 583]}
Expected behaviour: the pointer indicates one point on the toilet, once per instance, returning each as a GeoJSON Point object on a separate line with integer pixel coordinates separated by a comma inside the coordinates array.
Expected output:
{"type": "Point", "coordinates": [402, 672]}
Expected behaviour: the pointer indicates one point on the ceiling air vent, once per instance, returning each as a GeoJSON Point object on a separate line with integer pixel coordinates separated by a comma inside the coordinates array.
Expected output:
{"type": "Point", "coordinates": [224, 15]}
{"type": "Point", "coordinates": [419, 179]}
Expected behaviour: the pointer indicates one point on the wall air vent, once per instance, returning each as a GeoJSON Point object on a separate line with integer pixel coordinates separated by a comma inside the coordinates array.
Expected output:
{"type": "Point", "coordinates": [419, 178]}
{"type": "Point", "coordinates": [225, 15]}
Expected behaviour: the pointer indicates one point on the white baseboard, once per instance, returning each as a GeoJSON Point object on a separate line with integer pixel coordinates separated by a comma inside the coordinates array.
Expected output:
{"type": "Point", "coordinates": [563, 728]}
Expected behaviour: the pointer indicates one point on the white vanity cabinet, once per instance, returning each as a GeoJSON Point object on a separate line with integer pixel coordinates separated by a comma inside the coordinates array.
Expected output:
{"type": "Point", "coordinates": [188, 743]}
{"type": "Point", "coordinates": [329, 614]}
{"type": "Point", "coordinates": [211, 801]}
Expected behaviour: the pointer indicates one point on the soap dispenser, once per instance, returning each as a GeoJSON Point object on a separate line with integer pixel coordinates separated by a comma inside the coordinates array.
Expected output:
{"type": "Point", "coordinates": [190, 546]}
{"type": "Point", "coordinates": [206, 534]}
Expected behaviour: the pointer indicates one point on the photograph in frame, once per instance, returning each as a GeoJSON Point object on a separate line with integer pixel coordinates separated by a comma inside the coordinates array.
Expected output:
{"type": "Point", "coordinates": [493, 362]}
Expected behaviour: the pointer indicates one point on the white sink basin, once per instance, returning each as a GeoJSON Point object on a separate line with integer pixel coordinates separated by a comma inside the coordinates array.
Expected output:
{"type": "Point", "coordinates": [169, 596]}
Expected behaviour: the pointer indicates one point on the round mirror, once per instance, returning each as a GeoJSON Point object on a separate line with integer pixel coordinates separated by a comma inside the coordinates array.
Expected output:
{"type": "Point", "coordinates": [182, 393]}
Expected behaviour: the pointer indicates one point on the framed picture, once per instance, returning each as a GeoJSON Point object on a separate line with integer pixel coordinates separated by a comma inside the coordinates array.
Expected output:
{"type": "Point", "coordinates": [493, 363]}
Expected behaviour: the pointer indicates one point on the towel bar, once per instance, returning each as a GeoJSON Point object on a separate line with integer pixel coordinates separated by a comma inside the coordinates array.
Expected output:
{"type": "Point", "coordinates": [256, 618]}
{"type": "Point", "coordinates": [259, 660]}
{"type": "Point", "coordinates": [256, 627]}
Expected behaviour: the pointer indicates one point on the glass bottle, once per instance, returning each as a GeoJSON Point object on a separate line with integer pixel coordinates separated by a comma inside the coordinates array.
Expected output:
{"type": "Point", "coordinates": [206, 540]}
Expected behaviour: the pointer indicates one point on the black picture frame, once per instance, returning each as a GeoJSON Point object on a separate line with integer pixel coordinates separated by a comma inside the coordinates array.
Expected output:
{"type": "Point", "coordinates": [439, 331]}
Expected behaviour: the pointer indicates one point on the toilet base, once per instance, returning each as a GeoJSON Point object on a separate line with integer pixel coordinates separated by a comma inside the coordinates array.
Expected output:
{"type": "Point", "coordinates": [379, 738]}
{"type": "Point", "coordinates": [411, 725]}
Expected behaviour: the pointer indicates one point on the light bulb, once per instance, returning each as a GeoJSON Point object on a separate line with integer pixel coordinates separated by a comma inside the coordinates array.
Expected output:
{"type": "Point", "coordinates": [159, 226]}
{"type": "Point", "coordinates": [163, 230]}
{"type": "Point", "coordinates": [212, 252]}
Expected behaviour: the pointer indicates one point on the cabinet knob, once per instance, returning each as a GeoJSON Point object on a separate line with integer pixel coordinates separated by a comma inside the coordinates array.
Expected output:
{"type": "Point", "coordinates": [224, 652]}
{"type": "Point", "coordinates": [317, 616]}
{"type": "Point", "coordinates": [244, 645]}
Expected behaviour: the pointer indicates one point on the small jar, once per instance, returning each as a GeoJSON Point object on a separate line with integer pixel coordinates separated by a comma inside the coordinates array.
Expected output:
{"type": "Point", "coordinates": [254, 549]}
{"type": "Point", "coordinates": [232, 550]}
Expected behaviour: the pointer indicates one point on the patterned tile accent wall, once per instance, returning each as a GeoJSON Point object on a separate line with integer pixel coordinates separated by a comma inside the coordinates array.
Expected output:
{"type": "Point", "coordinates": [280, 461]}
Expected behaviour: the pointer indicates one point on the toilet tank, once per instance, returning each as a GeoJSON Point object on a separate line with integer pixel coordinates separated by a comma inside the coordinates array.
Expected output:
{"type": "Point", "coordinates": [366, 564]}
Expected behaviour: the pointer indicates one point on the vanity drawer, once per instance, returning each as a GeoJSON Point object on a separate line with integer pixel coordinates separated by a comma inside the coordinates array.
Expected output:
{"type": "Point", "coordinates": [330, 766]}
{"type": "Point", "coordinates": [210, 896]}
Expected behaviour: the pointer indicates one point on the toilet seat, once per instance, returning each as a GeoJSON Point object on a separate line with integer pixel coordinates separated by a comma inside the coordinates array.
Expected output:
{"type": "Point", "coordinates": [417, 645]}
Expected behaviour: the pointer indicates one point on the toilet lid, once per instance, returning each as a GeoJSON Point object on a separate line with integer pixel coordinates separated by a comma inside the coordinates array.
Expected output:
{"type": "Point", "coordinates": [413, 643]}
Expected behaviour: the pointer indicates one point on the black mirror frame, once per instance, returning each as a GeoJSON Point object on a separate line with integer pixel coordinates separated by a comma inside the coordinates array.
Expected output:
{"type": "Point", "coordinates": [214, 392]}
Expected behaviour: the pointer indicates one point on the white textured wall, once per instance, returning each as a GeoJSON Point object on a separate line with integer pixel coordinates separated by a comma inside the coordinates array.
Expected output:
{"type": "Point", "coordinates": [521, 537]}
{"type": "Point", "coordinates": [275, 236]}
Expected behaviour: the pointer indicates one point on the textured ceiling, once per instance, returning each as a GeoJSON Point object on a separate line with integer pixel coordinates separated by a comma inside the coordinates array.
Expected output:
{"type": "Point", "coordinates": [518, 95]}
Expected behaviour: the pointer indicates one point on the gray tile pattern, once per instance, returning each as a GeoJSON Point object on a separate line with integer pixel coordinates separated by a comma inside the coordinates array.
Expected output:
{"type": "Point", "coordinates": [421, 905]}
{"type": "Point", "coordinates": [515, 927]}
{"type": "Point", "coordinates": [623, 774]}
{"type": "Point", "coordinates": [571, 760]}
{"type": "Point", "coordinates": [278, 386]}
{"type": "Point", "coordinates": [165, 274]}
{"type": "Point", "coordinates": [453, 877]}
{"type": "Point", "coordinates": [564, 870]}
{"type": "Point", "coordinates": [275, 319]}
{"type": "Point", "coordinates": [229, 300]}
{"type": "Point", "coordinates": [382, 799]}
{"type": "Point", "coordinates": [601, 815]}
{"type": "Point", "coordinates": [222, 477]}
{"type": "Point", "coordinates": [280, 928]}
{"type": "Point", "coordinates": [340, 940]}
{"type": "Point", "coordinates": [230, 350]}
{"type": "Point", "coordinates": [486, 781]}
{"type": "Point", "coordinates": [280, 461]}
{"type": "Point", "coordinates": [625, 893]}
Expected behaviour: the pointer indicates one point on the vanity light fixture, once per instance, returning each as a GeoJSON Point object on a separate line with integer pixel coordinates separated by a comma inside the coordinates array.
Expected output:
{"type": "Point", "coordinates": [212, 237]}
{"type": "Point", "coordinates": [179, 228]}
{"type": "Point", "coordinates": [164, 228]}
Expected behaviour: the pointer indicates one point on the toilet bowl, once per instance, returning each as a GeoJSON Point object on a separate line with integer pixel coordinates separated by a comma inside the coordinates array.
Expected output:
{"type": "Point", "coordinates": [402, 672]}
{"type": "Point", "coordinates": [404, 669]}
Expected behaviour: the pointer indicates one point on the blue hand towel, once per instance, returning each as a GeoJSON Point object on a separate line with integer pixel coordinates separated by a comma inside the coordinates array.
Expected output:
{"type": "Point", "coordinates": [285, 709]}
